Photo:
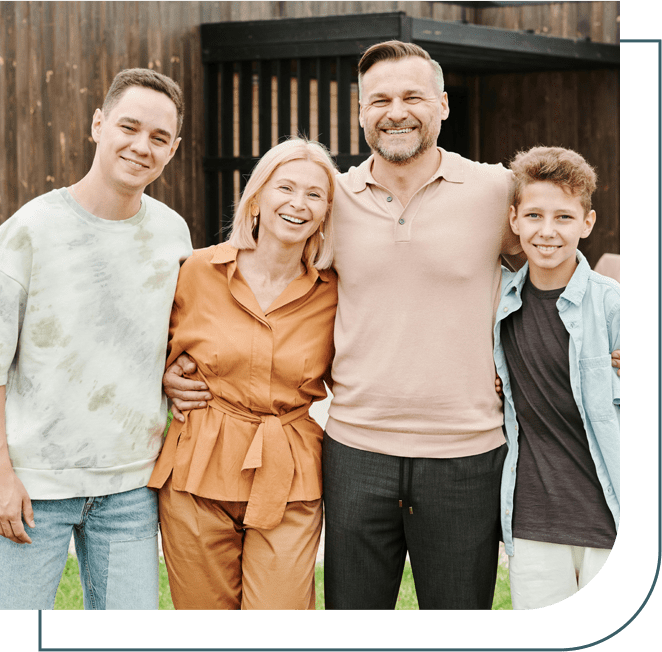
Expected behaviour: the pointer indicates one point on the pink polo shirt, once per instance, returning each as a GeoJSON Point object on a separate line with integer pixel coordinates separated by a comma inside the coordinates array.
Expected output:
{"type": "Point", "coordinates": [417, 288]}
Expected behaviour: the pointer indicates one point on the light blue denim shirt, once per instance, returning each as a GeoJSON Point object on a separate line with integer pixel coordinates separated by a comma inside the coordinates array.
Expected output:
{"type": "Point", "coordinates": [589, 308]}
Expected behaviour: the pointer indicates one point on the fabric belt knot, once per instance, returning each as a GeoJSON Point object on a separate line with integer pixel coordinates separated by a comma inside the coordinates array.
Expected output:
{"type": "Point", "coordinates": [271, 457]}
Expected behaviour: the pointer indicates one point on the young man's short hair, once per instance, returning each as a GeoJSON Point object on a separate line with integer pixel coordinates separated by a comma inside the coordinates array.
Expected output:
{"type": "Point", "coordinates": [558, 165]}
{"type": "Point", "coordinates": [147, 79]}
{"type": "Point", "coordinates": [394, 51]}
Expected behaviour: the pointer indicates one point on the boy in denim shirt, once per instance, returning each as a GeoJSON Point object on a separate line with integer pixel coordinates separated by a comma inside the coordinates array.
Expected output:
{"type": "Point", "coordinates": [556, 324]}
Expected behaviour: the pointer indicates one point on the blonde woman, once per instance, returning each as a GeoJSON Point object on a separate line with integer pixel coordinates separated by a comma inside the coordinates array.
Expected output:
{"type": "Point", "coordinates": [240, 482]}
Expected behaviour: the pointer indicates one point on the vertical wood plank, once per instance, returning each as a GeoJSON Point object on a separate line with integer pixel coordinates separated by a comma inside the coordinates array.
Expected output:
{"type": "Point", "coordinates": [323, 66]}
{"type": "Point", "coordinates": [264, 103]}
{"type": "Point", "coordinates": [10, 189]}
{"type": "Point", "coordinates": [303, 96]}
{"type": "Point", "coordinates": [23, 100]}
{"type": "Point", "coordinates": [227, 145]}
{"type": "Point", "coordinates": [245, 108]}
{"type": "Point", "coordinates": [611, 22]}
{"type": "Point", "coordinates": [584, 11]}
{"type": "Point", "coordinates": [211, 150]}
{"type": "Point", "coordinates": [344, 76]}
{"type": "Point", "coordinates": [46, 96]}
{"type": "Point", "coordinates": [283, 76]}
{"type": "Point", "coordinates": [4, 190]}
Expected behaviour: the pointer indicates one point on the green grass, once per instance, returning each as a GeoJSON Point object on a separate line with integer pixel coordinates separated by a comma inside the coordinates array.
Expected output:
{"type": "Point", "coordinates": [70, 594]}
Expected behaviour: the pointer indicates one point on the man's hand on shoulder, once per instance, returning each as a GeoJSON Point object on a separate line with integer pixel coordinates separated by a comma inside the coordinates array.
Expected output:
{"type": "Point", "coordinates": [185, 394]}
{"type": "Point", "coordinates": [498, 387]}
{"type": "Point", "coordinates": [14, 504]}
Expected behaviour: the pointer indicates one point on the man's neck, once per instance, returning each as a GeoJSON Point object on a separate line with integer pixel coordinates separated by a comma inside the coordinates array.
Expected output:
{"type": "Point", "coordinates": [405, 179]}
{"type": "Point", "coordinates": [103, 201]}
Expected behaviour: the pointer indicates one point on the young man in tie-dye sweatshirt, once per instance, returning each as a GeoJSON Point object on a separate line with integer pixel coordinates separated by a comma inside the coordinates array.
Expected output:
{"type": "Point", "coordinates": [87, 278]}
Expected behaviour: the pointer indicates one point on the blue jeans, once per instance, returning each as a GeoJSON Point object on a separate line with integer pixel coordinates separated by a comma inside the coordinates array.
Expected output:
{"type": "Point", "coordinates": [117, 549]}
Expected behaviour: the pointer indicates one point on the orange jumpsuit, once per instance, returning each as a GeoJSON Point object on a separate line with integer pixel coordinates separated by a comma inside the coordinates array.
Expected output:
{"type": "Point", "coordinates": [240, 482]}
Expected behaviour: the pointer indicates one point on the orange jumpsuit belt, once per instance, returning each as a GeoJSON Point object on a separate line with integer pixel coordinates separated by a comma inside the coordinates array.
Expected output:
{"type": "Point", "coordinates": [271, 457]}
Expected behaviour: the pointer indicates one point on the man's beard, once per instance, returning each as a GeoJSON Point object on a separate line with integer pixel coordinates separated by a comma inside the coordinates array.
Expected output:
{"type": "Point", "coordinates": [399, 156]}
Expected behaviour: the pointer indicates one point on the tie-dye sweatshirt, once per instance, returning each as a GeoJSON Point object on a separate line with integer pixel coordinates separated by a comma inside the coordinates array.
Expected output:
{"type": "Point", "coordinates": [84, 311]}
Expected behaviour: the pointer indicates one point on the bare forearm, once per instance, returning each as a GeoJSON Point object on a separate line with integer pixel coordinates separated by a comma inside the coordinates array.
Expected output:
{"type": "Point", "coordinates": [4, 451]}
{"type": "Point", "coordinates": [14, 499]}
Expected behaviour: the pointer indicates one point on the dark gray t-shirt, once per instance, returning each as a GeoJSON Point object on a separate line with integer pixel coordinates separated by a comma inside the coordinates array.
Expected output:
{"type": "Point", "coordinates": [558, 497]}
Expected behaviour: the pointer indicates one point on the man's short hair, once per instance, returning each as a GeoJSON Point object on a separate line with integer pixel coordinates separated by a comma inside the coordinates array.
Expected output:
{"type": "Point", "coordinates": [558, 165]}
{"type": "Point", "coordinates": [394, 51]}
{"type": "Point", "coordinates": [147, 79]}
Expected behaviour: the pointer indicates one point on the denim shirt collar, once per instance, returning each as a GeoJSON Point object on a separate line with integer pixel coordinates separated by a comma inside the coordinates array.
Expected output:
{"type": "Point", "coordinates": [574, 291]}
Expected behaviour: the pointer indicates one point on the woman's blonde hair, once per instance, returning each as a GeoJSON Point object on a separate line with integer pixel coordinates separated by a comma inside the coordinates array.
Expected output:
{"type": "Point", "coordinates": [318, 251]}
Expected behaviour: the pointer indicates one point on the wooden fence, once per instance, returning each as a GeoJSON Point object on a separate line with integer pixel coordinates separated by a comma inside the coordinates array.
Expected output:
{"type": "Point", "coordinates": [57, 59]}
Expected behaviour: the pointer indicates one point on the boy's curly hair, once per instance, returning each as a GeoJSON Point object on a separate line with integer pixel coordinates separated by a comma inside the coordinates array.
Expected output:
{"type": "Point", "coordinates": [558, 165]}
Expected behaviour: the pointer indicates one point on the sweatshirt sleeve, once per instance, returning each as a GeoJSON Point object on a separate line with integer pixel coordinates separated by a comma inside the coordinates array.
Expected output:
{"type": "Point", "coordinates": [15, 265]}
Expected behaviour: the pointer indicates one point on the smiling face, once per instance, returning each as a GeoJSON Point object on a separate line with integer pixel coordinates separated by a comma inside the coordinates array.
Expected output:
{"type": "Point", "coordinates": [136, 139]}
{"type": "Point", "coordinates": [292, 203]}
{"type": "Point", "coordinates": [401, 109]}
{"type": "Point", "coordinates": [550, 223]}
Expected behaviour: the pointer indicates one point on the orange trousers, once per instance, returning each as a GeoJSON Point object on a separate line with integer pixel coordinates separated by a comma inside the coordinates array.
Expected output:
{"type": "Point", "coordinates": [214, 562]}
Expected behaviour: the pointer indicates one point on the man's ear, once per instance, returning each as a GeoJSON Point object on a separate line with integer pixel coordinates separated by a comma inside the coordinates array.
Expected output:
{"type": "Point", "coordinates": [174, 147]}
{"type": "Point", "coordinates": [97, 122]}
{"type": "Point", "coordinates": [512, 218]}
{"type": "Point", "coordinates": [589, 223]}
{"type": "Point", "coordinates": [445, 107]}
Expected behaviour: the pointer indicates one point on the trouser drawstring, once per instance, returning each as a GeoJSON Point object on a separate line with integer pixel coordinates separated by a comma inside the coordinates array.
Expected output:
{"type": "Point", "coordinates": [401, 492]}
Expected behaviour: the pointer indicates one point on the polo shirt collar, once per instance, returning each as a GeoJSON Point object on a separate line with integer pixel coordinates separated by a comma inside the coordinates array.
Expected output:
{"type": "Point", "coordinates": [450, 169]}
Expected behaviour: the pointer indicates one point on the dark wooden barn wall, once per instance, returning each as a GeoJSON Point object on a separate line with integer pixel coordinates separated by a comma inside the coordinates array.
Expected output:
{"type": "Point", "coordinates": [58, 58]}
{"type": "Point", "coordinates": [579, 110]}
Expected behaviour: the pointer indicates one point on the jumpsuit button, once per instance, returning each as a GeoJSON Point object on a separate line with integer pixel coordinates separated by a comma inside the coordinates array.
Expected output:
{"type": "Point", "coordinates": [401, 221]}
{"type": "Point", "coordinates": [389, 199]}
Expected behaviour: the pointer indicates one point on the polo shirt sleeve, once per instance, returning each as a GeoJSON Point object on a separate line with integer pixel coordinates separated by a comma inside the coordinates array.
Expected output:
{"type": "Point", "coordinates": [16, 254]}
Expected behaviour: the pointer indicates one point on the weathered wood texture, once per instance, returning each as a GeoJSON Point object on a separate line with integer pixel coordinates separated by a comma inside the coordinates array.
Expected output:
{"type": "Point", "coordinates": [575, 109]}
{"type": "Point", "coordinates": [57, 59]}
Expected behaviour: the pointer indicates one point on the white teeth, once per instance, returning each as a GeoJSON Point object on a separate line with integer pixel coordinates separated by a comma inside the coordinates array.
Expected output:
{"type": "Point", "coordinates": [138, 166]}
{"type": "Point", "coordinates": [547, 249]}
{"type": "Point", "coordinates": [294, 220]}
{"type": "Point", "coordinates": [399, 131]}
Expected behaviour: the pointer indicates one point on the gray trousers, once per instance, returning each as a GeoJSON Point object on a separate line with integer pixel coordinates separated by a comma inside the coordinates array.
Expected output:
{"type": "Point", "coordinates": [443, 512]}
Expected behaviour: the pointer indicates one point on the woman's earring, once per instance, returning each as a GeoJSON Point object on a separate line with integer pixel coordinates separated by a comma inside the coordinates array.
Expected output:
{"type": "Point", "coordinates": [255, 212]}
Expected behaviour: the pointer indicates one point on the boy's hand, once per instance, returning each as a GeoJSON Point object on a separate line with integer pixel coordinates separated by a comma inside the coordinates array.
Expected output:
{"type": "Point", "coordinates": [185, 394]}
{"type": "Point", "coordinates": [498, 386]}
{"type": "Point", "coordinates": [616, 360]}
{"type": "Point", "coordinates": [14, 503]}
